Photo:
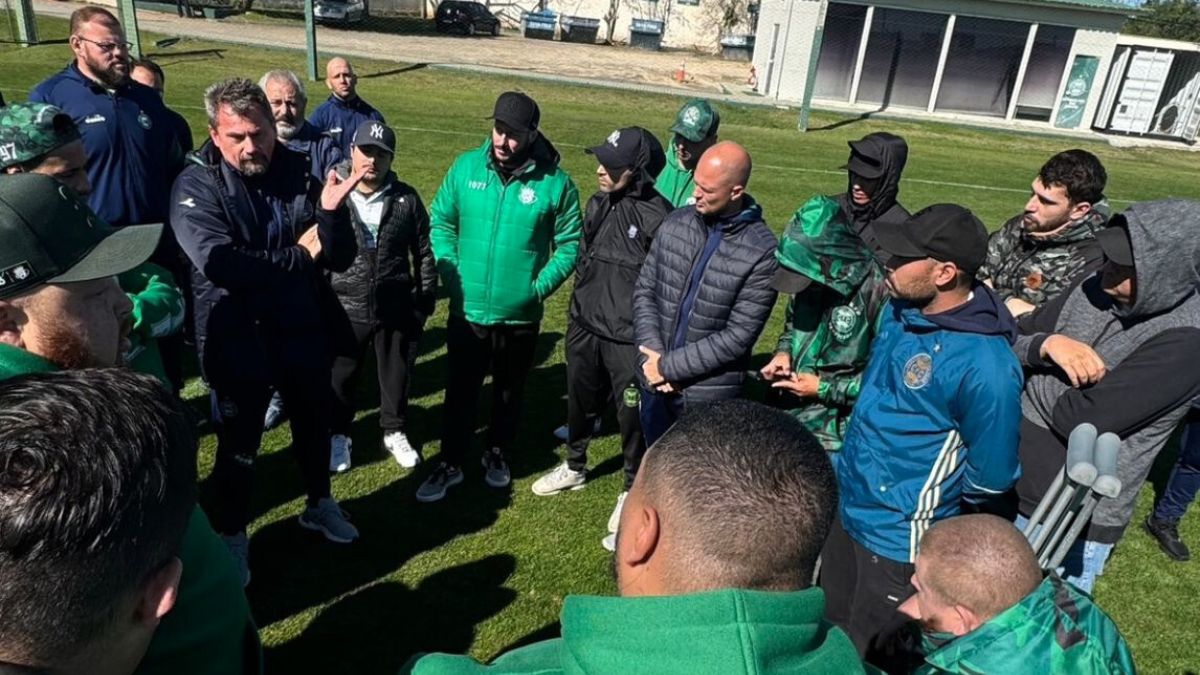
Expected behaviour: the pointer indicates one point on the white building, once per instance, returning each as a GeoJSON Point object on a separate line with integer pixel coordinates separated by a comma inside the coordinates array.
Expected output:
{"type": "Point", "coordinates": [1153, 90]}
{"type": "Point", "coordinates": [686, 24]}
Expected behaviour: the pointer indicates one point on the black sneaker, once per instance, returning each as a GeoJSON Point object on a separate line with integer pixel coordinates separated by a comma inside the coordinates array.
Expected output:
{"type": "Point", "coordinates": [496, 474]}
{"type": "Point", "coordinates": [1167, 534]}
{"type": "Point", "coordinates": [434, 487]}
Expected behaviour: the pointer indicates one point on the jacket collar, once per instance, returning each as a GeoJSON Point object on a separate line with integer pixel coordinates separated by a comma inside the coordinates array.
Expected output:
{"type": "Point", "coordinates": [15, 361]}
{"type": "Point", "coordinates": [73, 72]}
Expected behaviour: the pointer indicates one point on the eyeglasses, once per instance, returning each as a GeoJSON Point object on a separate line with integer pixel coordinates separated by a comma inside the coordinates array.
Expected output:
{"type": "Point", "coordinates": [109, 47]}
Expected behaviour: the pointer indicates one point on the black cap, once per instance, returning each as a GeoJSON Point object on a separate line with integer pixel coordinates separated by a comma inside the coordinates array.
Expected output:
{"type": "Point", "coordinates": [945, 232]}
{"type": "Point", "coordinates": [788, 282]}
{"type": "Point", "coordinates": [377, 134]}
{"type": "Point", "coordinates": [619, 151]}
{"type": "Point", "coordinates": [1114, 241]}
{"type": "Point", "coordinates": [517, 111]}
{"type": "Point", "coordinates": [866, 157]}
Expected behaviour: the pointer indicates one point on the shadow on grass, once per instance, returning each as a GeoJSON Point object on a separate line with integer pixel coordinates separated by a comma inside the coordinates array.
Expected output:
{"type": "Point", "coordinates": [377, 629]}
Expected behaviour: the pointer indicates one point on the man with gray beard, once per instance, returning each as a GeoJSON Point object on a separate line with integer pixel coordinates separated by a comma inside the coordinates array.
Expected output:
{"type": "Point", "coordinates": [261, 234]}
{"type": "Point", "coordinates": [285, 92]}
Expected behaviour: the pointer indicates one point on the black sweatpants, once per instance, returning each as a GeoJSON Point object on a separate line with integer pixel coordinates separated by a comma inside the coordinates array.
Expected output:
{"type": "Point", "coordinates": [472, 351]}
{"type": "Point", "coordinates": [598, 371]}
{"type": "Point", "coordinates": [395, 356]}
{"type": "Point", "coordinates": [863, 591]}
{"type": "Point", "coordinates": [241, 405]}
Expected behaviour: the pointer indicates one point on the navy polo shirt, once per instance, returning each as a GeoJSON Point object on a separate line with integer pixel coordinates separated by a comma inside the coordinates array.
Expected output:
{"type": "Point", "coordinates": [340, 119]}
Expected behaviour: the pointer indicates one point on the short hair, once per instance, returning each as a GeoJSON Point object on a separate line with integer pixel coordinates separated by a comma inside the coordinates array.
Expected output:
{"type": "Point", "coordinates": [91, 13]}
{"type": "Point", "coordinates": [285, 76]}
{"type": "Point", "coordinates": [979, 561]}
{"type": "Point", "coordinates": [150, 66]}
{"type": "Point", "coordinates": [240, 94]}
{"type": "Point", "coordinates": [745, 494]}
{"type": "Point", "coordinates": [1079, 171]}
{"type": "Point", "coordinates": [97, 483]}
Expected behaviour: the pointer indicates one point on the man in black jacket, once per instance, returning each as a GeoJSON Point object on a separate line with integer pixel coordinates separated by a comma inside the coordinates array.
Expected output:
{"type": "Point", "coordinates": [874, 167]}
{"type": "Point", "coordinates": [619, 223]}
{"type": "Point", "coordinates": [704, 293]}
{"type": "Point", "coordinates": [387, 293]}
{"type": "Point", "coordinates": [260, 234]}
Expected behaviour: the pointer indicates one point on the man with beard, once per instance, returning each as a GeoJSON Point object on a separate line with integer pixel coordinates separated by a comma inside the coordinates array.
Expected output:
{"type": "Point", "coordinates": [344, 111]}
{"type": "Point", "coordinates": [505, 234]}
{"type": "Point", "coordinates": [151, 74]}
{"type": "Point", "coordinates": [129, 138]}
{"type": "Point", "coordinates": [618, 225]}
{"type": "Point", "coordinates": [61, 309]}
{"type": "Point", "coordinates": [261, 233]}
{"type": "Point", "coordinates": [934, 431]}
{"type": "Point", "coordinates": [874, 168]}
{"type": "Point", "coordinates": [983, 607]}
{"type": "Point", "coordinates": [288, 102]}
{"type": "Point", "coordinates": [713, 566]}
{"type": "Point", "coordinates": [694, 132]}
{"type": "Point", "coordinates": [1036, 255]}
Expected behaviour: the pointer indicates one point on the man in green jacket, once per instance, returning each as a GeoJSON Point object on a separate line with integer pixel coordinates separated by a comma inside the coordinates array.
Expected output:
{"type": "Point", "coordinates": [836, 292]}
{"type": "Point", "coordinates": [61, 309]}
{"type": "Point", "coordinates": [983, 607]}
{"type": "Point", "coordinates": [694, 131]}
{"type": "Point", "coordinates": [505, 229]}
{"type": "Point", "coordinates": [713, 565]}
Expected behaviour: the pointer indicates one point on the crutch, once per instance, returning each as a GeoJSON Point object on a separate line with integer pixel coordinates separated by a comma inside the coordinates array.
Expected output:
{"type": "Point", "coordinates": [1069, 486]}
{"type": "Point", "coordinates": [1107, 485]}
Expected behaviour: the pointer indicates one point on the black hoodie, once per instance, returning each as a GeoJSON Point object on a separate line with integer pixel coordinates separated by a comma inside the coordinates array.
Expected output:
{"type": "Point", "coordinates": [892, 153]}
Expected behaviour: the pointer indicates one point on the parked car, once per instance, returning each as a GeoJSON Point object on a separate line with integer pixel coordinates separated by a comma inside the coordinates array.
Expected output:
{"type": "Point", "coordinates": [469, 18]}
{"type": "Point", "coordinates": [339, 11]}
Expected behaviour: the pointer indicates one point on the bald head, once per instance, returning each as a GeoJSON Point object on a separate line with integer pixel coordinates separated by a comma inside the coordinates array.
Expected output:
{"type": "Point", "coordinates": [978, 561]}
{"type": "Point", "coordinates": [721, 178]}
{"type": "Point", "coordinates": [340, 78]}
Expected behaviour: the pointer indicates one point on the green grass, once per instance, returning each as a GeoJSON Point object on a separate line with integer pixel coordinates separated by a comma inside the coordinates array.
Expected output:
{"type": "Point", "coordinates": [485, 570]}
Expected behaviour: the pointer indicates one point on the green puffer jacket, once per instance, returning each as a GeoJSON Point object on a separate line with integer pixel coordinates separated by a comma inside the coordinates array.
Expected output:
{"type": "Point", "coordinates": [1055, 630]}
{"type": "Point", "coordinates": [829, 327]}
{"type": "Point", "coordinates": [721, 632]}
{"type": "Point", "coordinates": [492, 240]}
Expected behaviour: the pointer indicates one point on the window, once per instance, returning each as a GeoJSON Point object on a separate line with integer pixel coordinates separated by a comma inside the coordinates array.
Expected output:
{"type": "Point", "coordinates": [839, 50]}
{"type": "Point", "coordinates": [1046, 69]}
{"type": "Point", "coordinates": [901, 58]}
{"type": "Point", "coordinates": [982, 65]}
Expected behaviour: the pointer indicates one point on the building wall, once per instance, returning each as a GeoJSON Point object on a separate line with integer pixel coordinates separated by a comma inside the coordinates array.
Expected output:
{"type": "Point", "coordinates": [782, 46]}
{"type": "Point", "coordinates": [688, 26]}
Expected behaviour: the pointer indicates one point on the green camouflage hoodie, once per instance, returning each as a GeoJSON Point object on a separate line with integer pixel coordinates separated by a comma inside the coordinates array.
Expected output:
{"type": "Point", "coordinates": [829, 327]}
{"type": "Point", "coordinates": [1055, 630]}
{"type": "Point", "coordinates": [1035, 269]}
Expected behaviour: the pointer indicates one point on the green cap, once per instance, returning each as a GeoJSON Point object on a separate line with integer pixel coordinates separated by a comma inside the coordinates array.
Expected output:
{"type": "Point", "coordinates": [49, 236]}
{"type": "Point", "coordinates": [696, 121]}
{"type": "Point", "coordinates": [30, 130]}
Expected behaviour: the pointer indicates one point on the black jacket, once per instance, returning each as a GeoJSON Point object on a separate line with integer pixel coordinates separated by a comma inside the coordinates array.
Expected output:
{"type": "Point", "coordinates": [732, 304]}
{"type": "Point", "coordinates": [262, 304]}
{"type": "Point", "coordinates": [395, 283]}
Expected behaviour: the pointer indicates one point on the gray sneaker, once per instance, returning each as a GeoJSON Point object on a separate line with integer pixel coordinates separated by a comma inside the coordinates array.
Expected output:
{"type": "Point", "coordinates": [330, 520]}
{"type": "Point", "coordinates": [434, 487]}
{"type": "Point", "coordinates": [559, 479]}
{"type": "Point", "coordinates": [496, 474]}
{"type": "Point", "coordinates": [239, 547]}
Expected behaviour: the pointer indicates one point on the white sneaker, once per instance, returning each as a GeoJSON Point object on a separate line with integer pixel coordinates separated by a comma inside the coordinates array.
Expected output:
{"type": "Point", "coordinates": [615, 519]}
{"type": "Point", "coordinates": [561, 432]}
{"type": "Point", "coordinates": [339, 453]}
{"type": "Point", "coordinates": [239, 547]}
{"type": "Point", "coordinates": [397, 444]}
{"type": "Point", "coordinates": [559, 479]}
{"type": "Point", "coordinates": [609, 542]}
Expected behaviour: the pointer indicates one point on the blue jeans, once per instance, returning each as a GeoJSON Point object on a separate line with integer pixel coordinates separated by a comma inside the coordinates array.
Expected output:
{"type": "Point", "coordinates": [657, 412]}
{"type": "Point", "coordinates": [1184, 482]}
{"type": "Point", "coordinates": [1084, 562]}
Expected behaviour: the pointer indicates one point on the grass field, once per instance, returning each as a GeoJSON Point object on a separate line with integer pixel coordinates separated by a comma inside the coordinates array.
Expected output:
{"type": "Point", "coordinates": [485, 570]}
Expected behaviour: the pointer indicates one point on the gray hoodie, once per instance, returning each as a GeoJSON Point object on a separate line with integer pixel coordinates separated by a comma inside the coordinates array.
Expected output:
{"type": "Point", "coordinates": [1149, 350]}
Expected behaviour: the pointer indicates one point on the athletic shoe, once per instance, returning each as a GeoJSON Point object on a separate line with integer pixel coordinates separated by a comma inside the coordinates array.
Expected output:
{"type": "Point", "coordinates": [330, 520]}
{"type": "Point", "coordinates": [497, 474]}
{"type": "Point", "coordinates": [275, 412]}
{"type": "Point", "coordinates": [559, 479]}
{"type": "Point", "coordinates": [339, 453]}
{"type": "Point", "coordinates": [561, 432]}
{"type": "Point", "coordinates": [397, 444]}
{"type": "Point", "coordinates": [615, 519]}
{"type": "Point", "coordinates": [239, 547]}
{"type": "Point", "coordinates": [434, 487]}
{"type": "Point", "coordinates": [609, 542]}
{"type": "Point", "coordinates": [1166, 532]}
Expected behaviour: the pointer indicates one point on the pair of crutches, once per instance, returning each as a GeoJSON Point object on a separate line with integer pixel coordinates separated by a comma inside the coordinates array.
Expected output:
{"type": "Point", "coordinates": [1089, 475]}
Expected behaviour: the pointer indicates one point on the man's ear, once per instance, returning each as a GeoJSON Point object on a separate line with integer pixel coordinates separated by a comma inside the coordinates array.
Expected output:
{"type": "Point", "coordinates": [12, 318]}
{"type": "Point", "coordinates": [641, 540]}
{"type": "Point", "coordinates": [737, 191]}
{"type": "Point", "coordinates": [968, 618]}
{"type": "Point", "coordinates": [158, 594]}
{"type": "Point", "coordinates": [1079, 210]}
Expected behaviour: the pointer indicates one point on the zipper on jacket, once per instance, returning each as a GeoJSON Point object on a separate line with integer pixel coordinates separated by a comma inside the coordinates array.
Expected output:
{"type": "Point", "coordinates": [492, 241]}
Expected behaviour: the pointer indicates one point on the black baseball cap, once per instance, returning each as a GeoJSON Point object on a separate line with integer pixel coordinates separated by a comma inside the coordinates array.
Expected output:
{"type": "Point", "coordinates": [518, 111]}
{"type": "Point", "coordinates": [377, 134]}
{"type": "Point", "coordinates": [1114, 241]}
{"type": "Point", "coordinates": [49, 236]}
{"type": "Point", "coordinates": [619, 151]}
{"type": "Point", "coordinates": [945, 232]}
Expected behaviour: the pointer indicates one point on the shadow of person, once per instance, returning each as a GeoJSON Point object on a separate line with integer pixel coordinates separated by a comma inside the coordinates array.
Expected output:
{"type": "Point", "coordinates": [377, 629]}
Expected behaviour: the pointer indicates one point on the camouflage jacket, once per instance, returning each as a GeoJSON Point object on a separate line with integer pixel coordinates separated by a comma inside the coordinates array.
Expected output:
{"type": "Point", "coordinates": [1036, 269]}
{"type": "Point", "coordinates": [829, 325]}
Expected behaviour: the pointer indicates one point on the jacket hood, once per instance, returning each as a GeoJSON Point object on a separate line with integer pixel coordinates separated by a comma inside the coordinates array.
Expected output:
{"type": "Point", "coordinates": [1166, 254]}
{"type": "Point", "coordinates": [1077, 230]}
{"type": "Point", "coordinates": [650, 161]}
{"type": "Point", "coordinates": [542, 153]}
{"type": "Point", "coordinates": [892, 153]}
{"type": "Point", "coordinates": [751, 213]}
{"type": "Point", "coordinates": [983, 314]}
{"type": "Point", "coordinates": [818, 244]}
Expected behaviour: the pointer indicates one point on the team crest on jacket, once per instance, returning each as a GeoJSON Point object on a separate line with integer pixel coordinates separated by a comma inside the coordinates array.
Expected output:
{"type": "Point", "coordinates": [527, 196]}
{"type": "Point", "coordinates": [144, 119]}
{"type": "Point", "coordinates": [843, 321]}
{"type": "Point", "coordinates": [918, 371]}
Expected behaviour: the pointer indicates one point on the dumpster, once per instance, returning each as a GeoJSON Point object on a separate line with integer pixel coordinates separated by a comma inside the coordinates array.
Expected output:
{"type": "Point", "coordinates": [646, 34]}
{"type": "Point", "coordinates": [737, 47]}
{"type": "Point", "coordinates": [580, 29]}
{"type": "Point", "coordinates": [540, 25]}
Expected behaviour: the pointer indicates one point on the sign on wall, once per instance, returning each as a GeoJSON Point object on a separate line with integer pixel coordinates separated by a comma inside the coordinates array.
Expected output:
{"type": "Point", "coordinates": [1075, 96]}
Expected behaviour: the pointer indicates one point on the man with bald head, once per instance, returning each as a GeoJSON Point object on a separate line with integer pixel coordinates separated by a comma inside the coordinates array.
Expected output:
{"type": "Point", "coordinates": [983, 607]}
{"type": "Point", "coordinates": [704, 293]}
{"type": "Point", "coordinates": [344, 111]}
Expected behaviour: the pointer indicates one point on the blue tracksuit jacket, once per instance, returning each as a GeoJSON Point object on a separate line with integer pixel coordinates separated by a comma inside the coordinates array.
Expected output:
{"type": "Point", "coordinates": [340, 119]}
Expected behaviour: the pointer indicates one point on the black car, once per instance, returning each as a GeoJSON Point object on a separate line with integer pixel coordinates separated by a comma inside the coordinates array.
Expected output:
{"type": "Point", "coordinates": [469, 18]}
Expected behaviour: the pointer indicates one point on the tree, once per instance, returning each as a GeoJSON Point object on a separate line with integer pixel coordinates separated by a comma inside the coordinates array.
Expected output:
{"type": "Point", "coordinates": [1172, 19]}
